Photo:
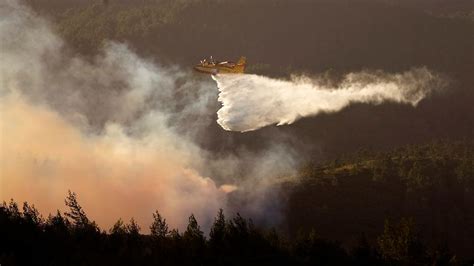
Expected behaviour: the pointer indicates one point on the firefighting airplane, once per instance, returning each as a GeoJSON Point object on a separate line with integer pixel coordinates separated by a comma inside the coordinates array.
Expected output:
{"type": "Point", "coordinates": [212, 67]}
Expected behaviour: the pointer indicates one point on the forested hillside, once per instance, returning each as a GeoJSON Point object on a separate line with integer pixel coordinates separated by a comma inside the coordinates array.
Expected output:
{"type": "Point", "coordinates": [277, 36]}
{"type": "Point", "coordinates": [431, 183]}
{"type": "Point", "coordinates": [72, 239]}
{"type": "Point", "coordinates": [410, 206]}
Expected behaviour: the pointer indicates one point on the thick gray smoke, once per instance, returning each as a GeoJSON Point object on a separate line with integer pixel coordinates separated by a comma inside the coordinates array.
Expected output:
{"type": "Point", "coordinates": [250, 102]}
{"type": "Point", "coordinates": [122, 131]}
{"type": "Point", "coordinates": [117, 129]}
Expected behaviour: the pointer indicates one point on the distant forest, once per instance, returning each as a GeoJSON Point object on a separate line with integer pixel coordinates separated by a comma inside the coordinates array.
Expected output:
{"type": "Point", "coordinates": [431, 183]}
{"type": "Point", "coordinates": [409, 206]}
{"type": "Point", "coordinates": [277, 36]}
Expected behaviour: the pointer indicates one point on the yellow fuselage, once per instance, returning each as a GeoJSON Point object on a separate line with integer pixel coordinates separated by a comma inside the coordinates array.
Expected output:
{"type": "Point", "coordinates": [216, 68]}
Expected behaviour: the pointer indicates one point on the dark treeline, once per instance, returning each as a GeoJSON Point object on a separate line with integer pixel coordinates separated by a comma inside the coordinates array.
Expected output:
{"type": "Point", "coordinates": [409, 206]}
{"type": "Point", "coordinates": [73, 239]}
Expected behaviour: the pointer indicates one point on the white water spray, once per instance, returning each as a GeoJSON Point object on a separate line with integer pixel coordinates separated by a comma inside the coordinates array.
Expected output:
{"type": "Point", "coordinates": [250, 102]}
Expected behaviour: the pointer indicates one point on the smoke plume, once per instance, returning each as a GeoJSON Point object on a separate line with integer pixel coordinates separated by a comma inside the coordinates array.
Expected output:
{"type": "Point", "coordinates": [123, 131]}
{"type": "Point", "coordinates": [250, 102]}
{"type": "Point", "coordinates": [117, 129]}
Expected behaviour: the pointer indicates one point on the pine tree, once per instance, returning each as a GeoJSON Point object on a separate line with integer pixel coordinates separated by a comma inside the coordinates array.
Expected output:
{"type": "Point", "coordinates": [193, 231]}
{"type": "Point", "coordinates": [400, 242]}
{"type": "Point", "coordinates": [76, 214]}
{"type": "Point", "coordinates": [57, 223]}
{"type": "Point", "coordinates": [118, 228]}
{"type": "Point", "coordinates": [13, 210]}
{"type": "Point", "coordinates": [31, 215]}
{"type": "Point", "coordinates": [159, 227]}
{"type": "Point", "coordinates": [133, 228]}
{"type": "Point", "coordinates": [218, 230]}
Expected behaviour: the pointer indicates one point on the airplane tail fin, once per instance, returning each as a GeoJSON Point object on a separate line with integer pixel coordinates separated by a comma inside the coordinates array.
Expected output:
{"type": "Point", "coordinates": [240, 67]}
{"type": "Point", "coordinates": [242, 61]}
